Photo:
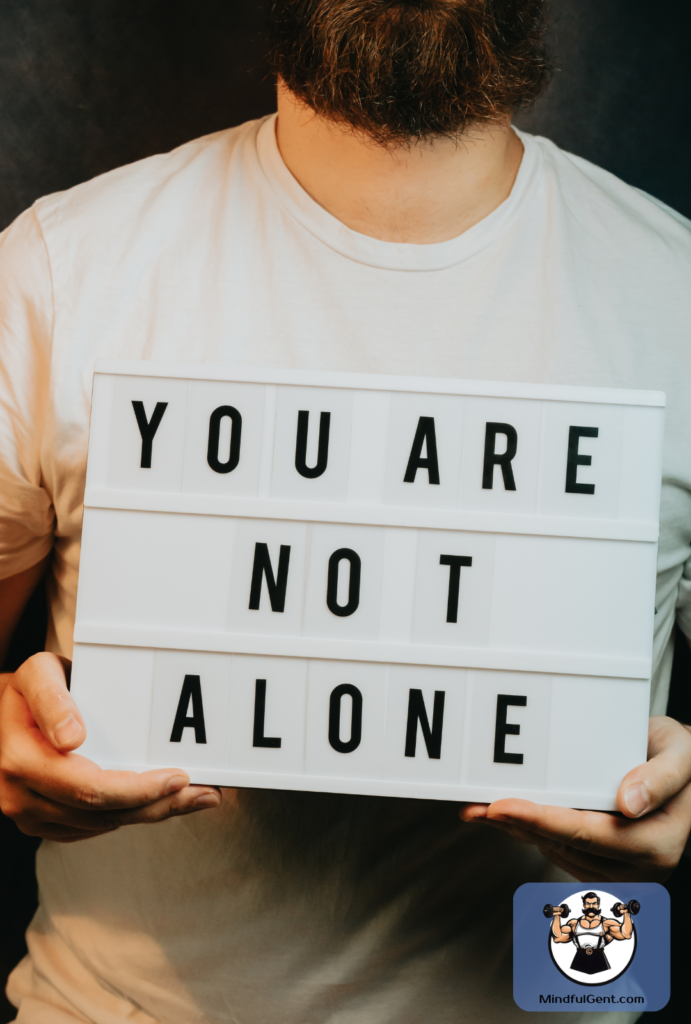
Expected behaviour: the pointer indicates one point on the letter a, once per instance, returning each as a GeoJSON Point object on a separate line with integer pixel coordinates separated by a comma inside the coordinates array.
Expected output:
{"type": "Point", "coordinates": [425, 433]}
{"type": "Point", "coordinates": [191, 690]}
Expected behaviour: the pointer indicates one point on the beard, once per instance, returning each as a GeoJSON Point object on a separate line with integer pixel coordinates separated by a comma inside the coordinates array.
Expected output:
{"type": "Point", "coordinates": [400, 71]}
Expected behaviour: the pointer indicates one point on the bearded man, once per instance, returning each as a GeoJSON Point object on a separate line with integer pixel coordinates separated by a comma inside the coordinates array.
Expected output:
{"type": "Point", "coordinates": [388, 220]}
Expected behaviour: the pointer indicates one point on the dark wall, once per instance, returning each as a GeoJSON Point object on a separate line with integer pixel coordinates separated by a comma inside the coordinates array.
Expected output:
{"type": "Point", "coordinates": [86, 85]}
{"type": "Point", "coordinates": [621, 93]}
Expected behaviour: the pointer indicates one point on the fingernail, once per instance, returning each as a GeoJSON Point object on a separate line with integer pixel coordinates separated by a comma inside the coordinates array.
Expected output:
{"type": "Point", "coordinates": [67, 731]}
{"type": "Point", "coordinates": [175, 783]}
{"type": "Point", "coordinates": [636, 799]}
{"type": "Point", "coordinates": [206, 800]}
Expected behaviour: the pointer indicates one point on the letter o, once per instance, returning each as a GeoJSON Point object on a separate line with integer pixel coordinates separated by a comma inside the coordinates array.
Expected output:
{"type": "Point", "coordinates": [337, 695]}
{"type": "Point", "coordinates": [353, 586]}
{"type": "Point", "coordinates": [214, 436]}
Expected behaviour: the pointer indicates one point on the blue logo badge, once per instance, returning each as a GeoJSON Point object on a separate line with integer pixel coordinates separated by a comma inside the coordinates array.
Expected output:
{"type": "Point", "coordinates": [591, 948]}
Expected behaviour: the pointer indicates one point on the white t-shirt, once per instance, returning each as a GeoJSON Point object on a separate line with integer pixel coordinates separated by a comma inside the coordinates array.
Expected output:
{"type": "Point", "coordinates": [305, 908]}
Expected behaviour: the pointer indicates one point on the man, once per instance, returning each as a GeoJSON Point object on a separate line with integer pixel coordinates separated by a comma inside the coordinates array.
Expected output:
{"type": "Point", "coordinates": [590, 933]}
{"type": "Point", "coordinates": [388, 221]}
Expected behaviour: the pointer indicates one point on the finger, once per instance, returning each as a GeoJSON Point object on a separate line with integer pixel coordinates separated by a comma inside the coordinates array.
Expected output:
{"type": "Point", "coordinates": [29, 758]}
{"type": "Point", "coordinates": [194, 798]}
{"type": "Point", "coordinates": [549, 845]}
{"type": "Point", "coordinates": [652, 847]}
{"type": "Point", "coordinates": [80, 783]}
{"type": "Point", "coordinates": [198, 799]}
{"type": "Point", "coordinates": [473, 812]}
{"type": "Point", "coordinates": [521, 831]}
{"type": "Point", "coordinates": [588, 831]}
{"type": "Point", "coordinates": [580, 865]}
{"type": "Point", "coordinates": [42, 682]}
{"type": "Point", "coordinates": [36, 808]}
{"type": "Point", "coordinates": [667, 771]}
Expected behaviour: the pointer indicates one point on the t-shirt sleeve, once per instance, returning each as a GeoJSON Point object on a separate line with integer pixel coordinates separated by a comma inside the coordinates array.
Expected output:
{"type": "Point", "coordinates": [26, 319]}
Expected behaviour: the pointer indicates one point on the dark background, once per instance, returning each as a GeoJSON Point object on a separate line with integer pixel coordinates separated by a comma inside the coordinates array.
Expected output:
{"type": "Point", "coordinates": [87, 85]}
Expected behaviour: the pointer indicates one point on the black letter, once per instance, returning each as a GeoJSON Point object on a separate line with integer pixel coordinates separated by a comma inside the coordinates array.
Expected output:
{"type": "Point", "coordinates": [454, 562]}
{"type": "Point", "coordinates": [148, 428]}
{"type": "Point", "coordinates": [191, 688]}
{"type": "Point", "coordinates": [425, 432]}
{"type": "Point", "coordinates": [574, 460]}
{"type": "Point", "coordinates": [503, 729]}
{"type": "Point", "coordinates": [258, 737]}
{"type": "Point", "coordinates": [353, 583]}
{"type": "Point", "coordinates": [492, 459]}
{"type": "Point", "coordinates": [353, 743]}
{"type": "Point", "coordinates": [214, 434]}
{"type": "Point", "coordinates": [262, 567]}
{"type": "Point", "coordinates": [417, 712]}
{"type": "Point", "coordinates": [301, 445]}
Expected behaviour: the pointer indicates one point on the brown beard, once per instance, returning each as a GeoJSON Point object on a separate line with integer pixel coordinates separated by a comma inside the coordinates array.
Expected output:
{"type": "Point", "coordinates": [404, 70]}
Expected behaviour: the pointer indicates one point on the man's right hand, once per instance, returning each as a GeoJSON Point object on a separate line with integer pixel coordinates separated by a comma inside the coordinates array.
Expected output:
{"type": "Point", "coordinates": [56, 794]}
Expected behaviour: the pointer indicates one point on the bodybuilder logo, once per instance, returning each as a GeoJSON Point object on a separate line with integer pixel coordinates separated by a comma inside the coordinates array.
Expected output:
{"type": "Point", "coordinates": [592, 946]}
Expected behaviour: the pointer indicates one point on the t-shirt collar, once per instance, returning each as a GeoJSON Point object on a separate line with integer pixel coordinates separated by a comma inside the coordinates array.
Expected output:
{"type": "Point", "coordinates": [390, 255]}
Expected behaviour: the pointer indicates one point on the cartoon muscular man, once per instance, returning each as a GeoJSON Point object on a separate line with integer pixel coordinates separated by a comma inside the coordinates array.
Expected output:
{"type": "Point", "coordinates": [590, 934]}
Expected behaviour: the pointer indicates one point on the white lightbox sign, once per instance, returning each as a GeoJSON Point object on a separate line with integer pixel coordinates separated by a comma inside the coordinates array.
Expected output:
{"type": "Point", "coordinates": [367, 584]}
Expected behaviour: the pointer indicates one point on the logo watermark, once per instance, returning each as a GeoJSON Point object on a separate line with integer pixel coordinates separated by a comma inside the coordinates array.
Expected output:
{"type": "Point", "coordinates": [591, 948]}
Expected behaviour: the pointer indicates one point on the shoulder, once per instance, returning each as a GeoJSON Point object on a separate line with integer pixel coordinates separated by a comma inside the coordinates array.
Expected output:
{"type": "Point", "coordinates": [160, 192]}
{"type": "Point", "coordinates": [616, 221]}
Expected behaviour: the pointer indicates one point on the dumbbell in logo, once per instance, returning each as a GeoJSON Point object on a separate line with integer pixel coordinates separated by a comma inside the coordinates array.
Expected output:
{"type": "Point", "coordinates": [549, 911]}
{"type": "Point", "coordinates": [632, 907]}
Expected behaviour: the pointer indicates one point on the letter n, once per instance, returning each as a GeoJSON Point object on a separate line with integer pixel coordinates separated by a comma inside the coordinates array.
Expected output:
{"type": "Point", "coordinates": [417, 713]}
{"type": "Point", "coordinates": [276, 586]}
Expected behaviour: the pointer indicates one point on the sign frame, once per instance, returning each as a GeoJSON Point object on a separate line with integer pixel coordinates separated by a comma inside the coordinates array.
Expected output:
{"type": "Point", "coordinates": [97, 640]}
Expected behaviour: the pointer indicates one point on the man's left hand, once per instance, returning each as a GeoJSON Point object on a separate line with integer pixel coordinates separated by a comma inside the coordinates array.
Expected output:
{"type": "Point", "coordinates": [643, 844]}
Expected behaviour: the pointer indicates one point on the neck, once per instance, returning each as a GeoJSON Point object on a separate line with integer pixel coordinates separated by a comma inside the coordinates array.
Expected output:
{"type": "Point", "coordinates": [422, 193]}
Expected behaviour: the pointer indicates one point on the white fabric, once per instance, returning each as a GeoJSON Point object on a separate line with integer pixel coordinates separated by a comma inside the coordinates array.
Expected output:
{"type": "Point", "coordinates": [302, 908]}
{"type": "Point", "coordinates": [589, 936]}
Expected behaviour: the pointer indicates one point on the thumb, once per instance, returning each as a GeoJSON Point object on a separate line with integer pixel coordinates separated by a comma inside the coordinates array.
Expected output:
{"type": "Point", "coordinates": [42, 681]}
{"type": "Point", "coordinates": [667, 771]}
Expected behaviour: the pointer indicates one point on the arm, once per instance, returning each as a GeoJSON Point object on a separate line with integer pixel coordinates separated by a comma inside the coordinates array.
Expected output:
{"type": "Point", "coordinates": [45, 787]}
{"type": "Point", "coordinates": [561, 933]}
{"type": "Point", "coordinates": [615, 930]}
{"type": "Point", "coordinates": [644, 842]}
